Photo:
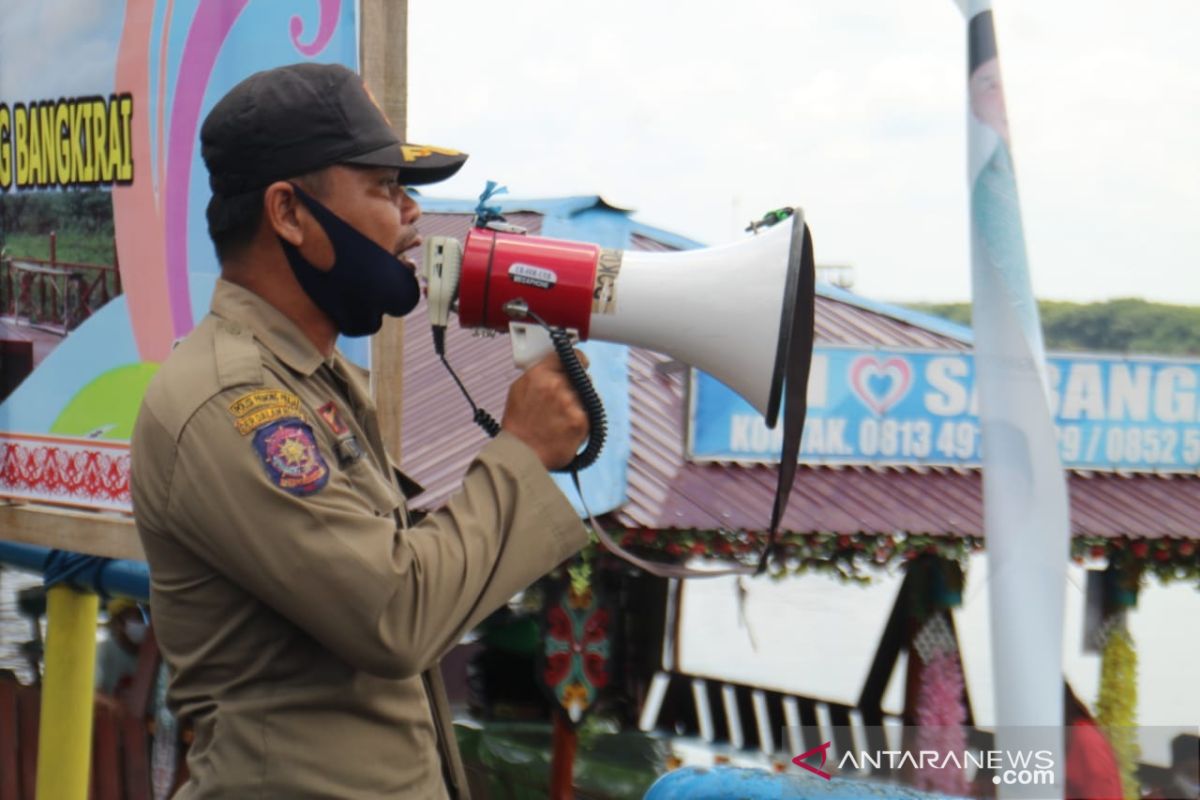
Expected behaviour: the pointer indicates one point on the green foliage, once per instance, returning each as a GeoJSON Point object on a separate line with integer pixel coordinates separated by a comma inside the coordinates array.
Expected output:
{"type": "Point", "coordinates": [82, 223]}
{"type": "Point", "coordinates": [82, 220]}
{"type": "Point", "coordinates": [955, 312]}
{"type": "Point", "coordinates": [77, 210]}
{"type": "Point", "coordinates": [72, 247]}
{"type": "Point", "coordinates": [1126, 325]}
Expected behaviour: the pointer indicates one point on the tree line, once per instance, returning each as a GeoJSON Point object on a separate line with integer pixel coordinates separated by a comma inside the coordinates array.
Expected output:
{"type": "Point", "coordinates": [81, 211]}
{"type": "Point", "coordinates": [1126, 325]}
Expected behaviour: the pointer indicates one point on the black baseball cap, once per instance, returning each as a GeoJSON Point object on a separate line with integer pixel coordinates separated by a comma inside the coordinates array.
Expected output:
{"type": "Point", "coordinates": [296, 119]}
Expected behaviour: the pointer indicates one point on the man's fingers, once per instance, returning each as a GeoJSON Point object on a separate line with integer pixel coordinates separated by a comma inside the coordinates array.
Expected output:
{"type": "Point", "coordinates": [544, 411]}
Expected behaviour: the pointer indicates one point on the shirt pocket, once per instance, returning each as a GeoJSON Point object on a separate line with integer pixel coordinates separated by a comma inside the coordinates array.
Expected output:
{"type": "Point", "coordinates": [379, 494]}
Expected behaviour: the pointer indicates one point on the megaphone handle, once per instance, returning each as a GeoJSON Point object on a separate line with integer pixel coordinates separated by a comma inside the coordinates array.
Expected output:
{"type": "Point", "coordinates": [530, 344]}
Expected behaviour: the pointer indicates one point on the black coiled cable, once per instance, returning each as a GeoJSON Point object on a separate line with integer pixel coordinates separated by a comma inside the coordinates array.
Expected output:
{"type": "Point", "coordinates": [482, 418]}
{"type": "Point", "coordinates": [576, 374]}
{"type": "Point", "coordinates": [486, 421]}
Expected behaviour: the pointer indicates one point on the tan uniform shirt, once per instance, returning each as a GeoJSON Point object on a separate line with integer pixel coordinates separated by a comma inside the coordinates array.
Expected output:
{"type": "Point", "coordinates": [296, 608]}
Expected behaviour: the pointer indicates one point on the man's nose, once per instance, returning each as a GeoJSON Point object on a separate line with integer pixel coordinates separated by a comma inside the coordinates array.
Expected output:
{"type": "Point", "coordinates": [410, 210]}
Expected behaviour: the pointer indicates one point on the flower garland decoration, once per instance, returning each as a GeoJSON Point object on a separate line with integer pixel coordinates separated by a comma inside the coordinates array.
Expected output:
{"type": "Point", "coordinates": [1168, 559]}
{"type": "Point", "coordinates": [853, 558]}
{"type": "Point", "coordinates": [1116, 709]}
{"type": "Point", "coordinates": [850, 558]}
{"type": "Point", "coordinates": [941, 713]}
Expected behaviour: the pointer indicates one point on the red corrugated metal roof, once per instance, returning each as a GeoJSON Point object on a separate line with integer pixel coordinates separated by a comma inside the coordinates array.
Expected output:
{"type": "Point", "coordinates": [665, 491]}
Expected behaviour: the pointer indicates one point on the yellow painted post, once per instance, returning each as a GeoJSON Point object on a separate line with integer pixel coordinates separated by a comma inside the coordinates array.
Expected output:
{"type": "Point", "coordinates": [65, 735]}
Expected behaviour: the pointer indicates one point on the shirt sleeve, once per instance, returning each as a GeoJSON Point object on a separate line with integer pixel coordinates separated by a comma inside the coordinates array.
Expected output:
{"type": "Point", "coordinates": [330, 557]}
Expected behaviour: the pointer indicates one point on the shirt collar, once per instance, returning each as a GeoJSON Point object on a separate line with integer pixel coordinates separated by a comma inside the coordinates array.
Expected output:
{"type": "Point", "coordinates": [275, 331]}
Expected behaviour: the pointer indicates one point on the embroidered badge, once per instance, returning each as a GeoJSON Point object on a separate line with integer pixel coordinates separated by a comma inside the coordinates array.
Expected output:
{"type": "Point", "coordinates": [329, 413]}
{"type": "Point", "coordinates": [255, 409]}
{"type": "Point", "coordinates": [290, 454]}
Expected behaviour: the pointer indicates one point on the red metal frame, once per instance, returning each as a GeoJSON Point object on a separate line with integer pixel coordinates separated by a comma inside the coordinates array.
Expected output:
{"type": "Point", "coordinates": [41, 288]}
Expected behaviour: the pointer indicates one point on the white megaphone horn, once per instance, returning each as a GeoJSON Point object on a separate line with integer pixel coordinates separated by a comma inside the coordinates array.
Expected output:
{"type": "Point", "coordinates": [730, 310]}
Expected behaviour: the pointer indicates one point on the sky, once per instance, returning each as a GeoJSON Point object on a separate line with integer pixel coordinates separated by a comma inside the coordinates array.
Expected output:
{"type": "Point", "coordinates": [702, 115]}
{"type": "Point", "coordinates": [89, 32]}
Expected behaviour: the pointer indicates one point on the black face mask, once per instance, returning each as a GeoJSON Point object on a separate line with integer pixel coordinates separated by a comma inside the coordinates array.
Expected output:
{"type": "Point", "coordinates": [365, 281]}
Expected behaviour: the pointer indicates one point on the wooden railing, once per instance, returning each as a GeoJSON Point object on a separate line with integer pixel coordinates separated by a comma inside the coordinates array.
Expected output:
{"type": "Point", "coordinates": [55, 294]}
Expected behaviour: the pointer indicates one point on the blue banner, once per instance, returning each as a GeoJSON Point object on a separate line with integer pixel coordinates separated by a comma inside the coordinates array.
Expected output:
{"type": "Point", "coordinates": [892, 406]}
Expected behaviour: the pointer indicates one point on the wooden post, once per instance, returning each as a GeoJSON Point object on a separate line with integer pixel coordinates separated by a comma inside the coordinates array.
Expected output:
{"type": "Point", "coordinates": [384, 61]}
{"type": "Point", "coordinates": [28, 698]}
{"type": "Point", "coordinates": [106, 751]}
{"type": "Point", "coordinates": [562, 763]}
{"type": "Point", "coordinates": [10, 760]}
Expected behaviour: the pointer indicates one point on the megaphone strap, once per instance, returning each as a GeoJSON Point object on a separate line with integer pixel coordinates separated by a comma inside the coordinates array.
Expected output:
{"type": "Point", "coordinates": [656, 568]}
{"type": "Point", "coordinates": [795, 404]}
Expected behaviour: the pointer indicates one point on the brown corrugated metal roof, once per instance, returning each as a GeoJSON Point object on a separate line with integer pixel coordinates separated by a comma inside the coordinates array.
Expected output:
{"type": "Point", "coordinates": [843, 323]}
{"type": "Point", "coordinates": [665, 491]}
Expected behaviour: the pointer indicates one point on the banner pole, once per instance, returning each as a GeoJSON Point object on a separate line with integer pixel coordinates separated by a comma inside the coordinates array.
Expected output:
{"type": "Point", "coordinates": [1026, 511]}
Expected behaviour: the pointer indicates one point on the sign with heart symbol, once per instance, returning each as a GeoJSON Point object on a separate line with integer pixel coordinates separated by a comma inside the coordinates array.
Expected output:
{"type": "Point", "coordinates": [880, 383]}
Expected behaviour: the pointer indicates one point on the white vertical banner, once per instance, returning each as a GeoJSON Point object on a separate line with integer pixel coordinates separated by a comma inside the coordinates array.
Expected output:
{"type": "Point", "coordinates": [1026, 514]}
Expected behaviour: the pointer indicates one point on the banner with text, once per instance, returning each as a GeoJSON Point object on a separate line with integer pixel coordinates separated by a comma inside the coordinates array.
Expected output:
{"type": "Point", "coordinates": [893, 406]}
{"type": "Point", "coordinates": [105, 257]}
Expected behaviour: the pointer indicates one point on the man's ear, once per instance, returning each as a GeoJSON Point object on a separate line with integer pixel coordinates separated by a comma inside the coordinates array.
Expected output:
{"type": "Point", "coordinates": [282, 212]}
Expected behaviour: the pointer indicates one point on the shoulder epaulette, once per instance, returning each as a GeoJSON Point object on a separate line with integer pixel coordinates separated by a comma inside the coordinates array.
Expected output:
{"type": "Point", "coordinates": [238, 359]}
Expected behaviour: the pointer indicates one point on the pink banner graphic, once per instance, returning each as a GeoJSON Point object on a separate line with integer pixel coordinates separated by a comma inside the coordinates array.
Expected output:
{"type": "Point", "coordinates": [880, 383]}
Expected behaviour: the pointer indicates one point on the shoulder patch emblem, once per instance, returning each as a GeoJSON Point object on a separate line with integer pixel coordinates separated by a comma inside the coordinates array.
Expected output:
{"type": "Point", "coordinates": [255, 409]}
{"type": "Point", "coordinates": [329, 413]}
{"type": "Point", "coordinates": [290, 454]}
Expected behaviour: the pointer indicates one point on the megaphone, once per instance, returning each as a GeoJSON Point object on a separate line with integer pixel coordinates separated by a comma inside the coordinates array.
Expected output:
{"type": "Point", "coordinates": [742, 312]}
{"type": "Point", "coordinates": [734, 311]}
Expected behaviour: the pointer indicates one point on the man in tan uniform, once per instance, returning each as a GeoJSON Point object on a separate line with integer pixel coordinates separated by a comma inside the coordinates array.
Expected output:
{"type": "Point", "coordinates": [302, 615]}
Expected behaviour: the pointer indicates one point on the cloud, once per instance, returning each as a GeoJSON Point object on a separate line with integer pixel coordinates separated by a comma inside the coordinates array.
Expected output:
{"type": "Point", "coordinates": [702, 115]}
{"type": "Point", "coordinates": [57, 48]}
